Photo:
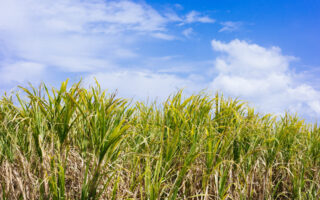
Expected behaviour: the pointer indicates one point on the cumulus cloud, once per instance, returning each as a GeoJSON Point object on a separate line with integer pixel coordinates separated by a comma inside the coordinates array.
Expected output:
{"type": "Point", "coordinates": [262, 76]}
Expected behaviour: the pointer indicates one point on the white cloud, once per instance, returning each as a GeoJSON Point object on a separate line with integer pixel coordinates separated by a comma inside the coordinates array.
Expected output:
{"type": "Point", "coordinates": [141, 85]}
{"type": "Point", "coordinates": [82, 36]}
{"type": "Point", "coordinates": [76, 35]}
{"type": "Point", "coordinates": [195, 16]}
{"type": "Point", "coordinates": [247, 59]}
{"type": "Point", "coordinates": [188, 32]}
{"type": "Point", "coordinates": [163, 36]}
{"type": "Point", "coordinates": [21, 71]}
{"type": "Point", "coordinates": [77, 15]}
{"type": "Point", "coordinates": [262, 76]}
{"type": "Point", "coordinates": [230, 26]}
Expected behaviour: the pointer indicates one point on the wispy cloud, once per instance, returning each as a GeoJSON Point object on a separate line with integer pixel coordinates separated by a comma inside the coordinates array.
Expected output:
{"type": "Point", "coordinates": [21, 71]}
{"type": "Point", "coordinates": [163, 36]}
{"type": "Point", "coordinates": [82, 36]}
{"type": "Point", "coordinates": [230, 26]}
{"type": "Point", "coordinates": [188, 32]}
{"type": "Point", "coordinates": [195, 16]}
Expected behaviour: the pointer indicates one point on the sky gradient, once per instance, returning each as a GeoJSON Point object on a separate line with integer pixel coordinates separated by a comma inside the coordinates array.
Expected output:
{"type": "Point", "coordinates": [264, 52]}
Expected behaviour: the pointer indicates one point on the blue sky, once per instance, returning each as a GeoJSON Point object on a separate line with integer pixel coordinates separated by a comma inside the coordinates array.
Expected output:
{"type": "Point", "coordinates": [265, 52]}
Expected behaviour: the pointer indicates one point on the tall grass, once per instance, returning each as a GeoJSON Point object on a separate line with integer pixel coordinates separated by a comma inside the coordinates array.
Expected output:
{"type": "Point", "coordinates": [78, 143]}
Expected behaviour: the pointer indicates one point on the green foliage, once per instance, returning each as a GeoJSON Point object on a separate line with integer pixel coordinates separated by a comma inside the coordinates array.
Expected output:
{"type": "Point", "coordinates": [84, 143]}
